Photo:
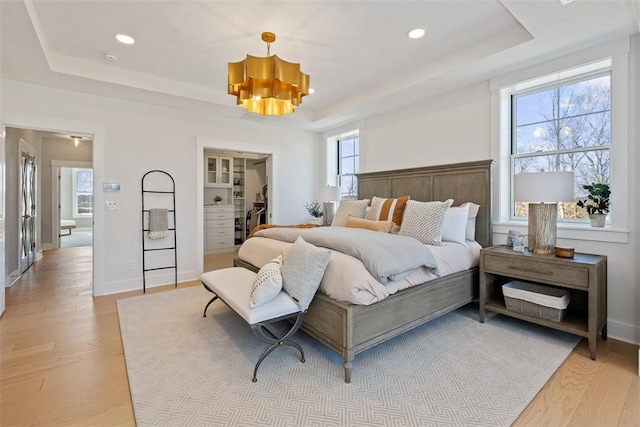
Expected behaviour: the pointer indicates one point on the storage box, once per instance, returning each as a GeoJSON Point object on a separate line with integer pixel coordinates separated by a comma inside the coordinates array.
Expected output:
{"type": "Point", "coordinates": [536, 300]}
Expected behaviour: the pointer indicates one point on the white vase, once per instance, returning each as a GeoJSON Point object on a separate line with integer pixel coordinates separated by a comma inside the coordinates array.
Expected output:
{"type": "Point", "coordinates": [597, 220]}
{"type": "Point", "coordinates": [315, 220]}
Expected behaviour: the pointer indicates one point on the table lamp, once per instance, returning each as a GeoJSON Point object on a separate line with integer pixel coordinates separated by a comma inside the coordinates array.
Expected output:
{"type": "Point", "coordinates": [543, 191]}
{"type": "Point", "coordinates": [329, 195]}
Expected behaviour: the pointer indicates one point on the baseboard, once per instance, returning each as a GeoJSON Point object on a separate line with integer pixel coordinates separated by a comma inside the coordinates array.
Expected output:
{"type": "Point", "coordinates": [153, 281]}
{"type": "Point", "coordinates": [47, 246]}
{"type": "Point", "coordinates": [623, 332]}
{"type": "Point", "coordinates": [13, 278]}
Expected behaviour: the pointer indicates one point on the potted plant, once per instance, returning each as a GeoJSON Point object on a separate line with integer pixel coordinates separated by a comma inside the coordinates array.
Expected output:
{"type": "Point", "coordinates": [217, 199]}
{"type": "Point", "coordinates": [315, 210]}
{"type": "Point", "coordinates": [597, 203]}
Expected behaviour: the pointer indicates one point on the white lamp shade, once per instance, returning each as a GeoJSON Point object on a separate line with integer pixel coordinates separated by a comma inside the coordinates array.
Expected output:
{"type": "Point", "coordinates": [544, 187]}
{"type": "Point", "coordinates": [329, 193]}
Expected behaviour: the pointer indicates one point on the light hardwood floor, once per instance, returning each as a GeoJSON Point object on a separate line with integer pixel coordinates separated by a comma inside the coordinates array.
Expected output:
{"type": "Point", "coordinates": [62, 361]}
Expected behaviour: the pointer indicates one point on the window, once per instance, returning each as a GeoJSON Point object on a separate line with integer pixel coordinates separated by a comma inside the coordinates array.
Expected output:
{"type": "Point", "coordinates": [348, 157]}
{"type": "Point", "coordinates": [564, 126]}
{"type": "Point", "coordinates": [82, 192]}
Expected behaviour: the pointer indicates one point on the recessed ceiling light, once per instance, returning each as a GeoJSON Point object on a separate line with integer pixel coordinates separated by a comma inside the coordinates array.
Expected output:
{"type": "Point", "coordinates": [566, 2]}
{"type": "Point", "coordinates": [416, 33]}
{"type": "Point", "coordinates": [123, 38]}
{"type": "Point", "coordinates": [311, 90]}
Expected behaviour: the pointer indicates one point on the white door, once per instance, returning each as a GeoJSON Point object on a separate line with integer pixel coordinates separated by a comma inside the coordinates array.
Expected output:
{"type": "Point", "coordinates": [2, 198]}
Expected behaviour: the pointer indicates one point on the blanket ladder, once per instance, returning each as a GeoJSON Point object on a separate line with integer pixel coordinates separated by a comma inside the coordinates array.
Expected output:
{"type": "Point", "coordinates": [160, 192]}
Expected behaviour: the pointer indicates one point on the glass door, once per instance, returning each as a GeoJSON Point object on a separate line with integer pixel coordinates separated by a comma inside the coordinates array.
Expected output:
{"type": "Point", "coordinates": [27, 211]}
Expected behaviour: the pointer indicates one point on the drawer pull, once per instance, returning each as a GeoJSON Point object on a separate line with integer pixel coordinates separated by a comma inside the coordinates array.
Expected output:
{"type": "Point", "coordinates": [531, 270]}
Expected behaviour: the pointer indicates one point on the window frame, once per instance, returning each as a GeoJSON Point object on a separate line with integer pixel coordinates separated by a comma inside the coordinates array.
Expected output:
{"type": "Point", "coordinates": [356, 163]}
{"type": "Point", "coordinates": [76, 193]}
{"type": "Point", "coordinates": [617, 52]}
{"type": "Point", "coordinates": [605, 69]}
{"type": "Point", "coordinates": [332, 159]}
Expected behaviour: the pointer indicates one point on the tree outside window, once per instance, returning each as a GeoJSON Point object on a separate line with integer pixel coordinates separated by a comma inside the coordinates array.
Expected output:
{"type": "Point", "coordinates": [348, 166]}
{"type": "Point", "coordinates": [564, 128]}
{"type": "Point", "coordinates": [82, 192]}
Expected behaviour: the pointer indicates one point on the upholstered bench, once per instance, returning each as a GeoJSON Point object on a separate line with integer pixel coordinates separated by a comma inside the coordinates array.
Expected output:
{"type": "Point", "coordinates": [234, 286]}
{"type": "Point", "coordinates": [67, 224]}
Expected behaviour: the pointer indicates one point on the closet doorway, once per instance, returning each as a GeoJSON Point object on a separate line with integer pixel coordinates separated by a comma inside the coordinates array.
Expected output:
{"type": "Point", "coordinates": [236, 192]}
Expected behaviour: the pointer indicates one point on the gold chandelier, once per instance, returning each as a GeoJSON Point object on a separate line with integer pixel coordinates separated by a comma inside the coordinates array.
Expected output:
{"type": "Point", "coordinates": [269, 86]}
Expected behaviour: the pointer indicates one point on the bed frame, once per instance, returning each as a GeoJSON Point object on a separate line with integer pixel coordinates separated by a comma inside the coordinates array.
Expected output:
{"type": "Point", "coordinates": [350, 329]}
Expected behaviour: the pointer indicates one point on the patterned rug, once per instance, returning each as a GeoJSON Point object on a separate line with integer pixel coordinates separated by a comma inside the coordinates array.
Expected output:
{"type": "Point", "coordinates": [187, 370]}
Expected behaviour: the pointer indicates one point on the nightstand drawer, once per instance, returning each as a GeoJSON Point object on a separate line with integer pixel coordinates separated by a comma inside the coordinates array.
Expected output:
{"type": "Point", "coordinates": [536, 270]}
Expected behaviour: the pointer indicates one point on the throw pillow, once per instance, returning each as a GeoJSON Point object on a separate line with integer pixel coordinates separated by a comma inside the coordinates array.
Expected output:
{"type": "Point", "coordinates": [455, 224]}
{"type": "Point", "coordinates": [303, 271]}
{"type": "Point", "coordinates": [382, 226]}
{"type": "Point", "coordinates": [471, 221]}
{"type": "Point", "coordinates": [267, 284]}
{"type": "Point", "coordinates": [424, 221]}
{"type": "Point", "coordinates": [355, 208]}
{"type": "Point", "coordinates": [387, 209]}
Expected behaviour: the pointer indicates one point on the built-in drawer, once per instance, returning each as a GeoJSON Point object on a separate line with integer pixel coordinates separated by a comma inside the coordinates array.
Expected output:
{"type": "Point", "coordinates": [217, 232]}
{"type": "Point", "coordinates": [219, 223]}
{"type": "Point", "coordinates": [536, 271]}
{"type": "Point", "coordinates": [217, 211]}
{"type": "Point", "coordinates": [222, 242]}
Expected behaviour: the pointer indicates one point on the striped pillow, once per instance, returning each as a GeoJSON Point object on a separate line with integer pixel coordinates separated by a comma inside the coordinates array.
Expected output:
{"type": "Point", "coordinates": [387, 209]}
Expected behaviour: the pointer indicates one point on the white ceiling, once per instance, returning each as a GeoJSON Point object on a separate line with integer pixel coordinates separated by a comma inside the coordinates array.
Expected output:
{"type": "Point", "coordinates": [356, 52]}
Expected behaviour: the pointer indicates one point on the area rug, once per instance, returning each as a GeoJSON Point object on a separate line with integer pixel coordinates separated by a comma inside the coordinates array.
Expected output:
{"type": "Point", "coordinates": [188, 370]}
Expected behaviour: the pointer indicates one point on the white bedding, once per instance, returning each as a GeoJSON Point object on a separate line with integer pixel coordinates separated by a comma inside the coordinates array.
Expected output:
{"type": "Point", "coordinates": [346, 278]}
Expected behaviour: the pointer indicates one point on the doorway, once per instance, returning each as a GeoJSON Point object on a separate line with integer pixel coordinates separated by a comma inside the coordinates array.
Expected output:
{"type": "Point", "coordinates": [267, 152]}
{"type": "Point", "coordinates": [75, 206]}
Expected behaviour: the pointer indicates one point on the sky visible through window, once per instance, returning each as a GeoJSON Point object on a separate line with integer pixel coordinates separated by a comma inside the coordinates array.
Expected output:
{"type": "Point", "coordinates": [564, 128]}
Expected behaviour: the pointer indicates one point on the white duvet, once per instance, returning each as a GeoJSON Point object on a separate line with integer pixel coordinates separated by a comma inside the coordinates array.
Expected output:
{"type": "Point", "coordinates": [346, 278]}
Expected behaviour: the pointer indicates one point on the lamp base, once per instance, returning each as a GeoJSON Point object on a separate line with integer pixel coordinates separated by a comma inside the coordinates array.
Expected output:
{"type": "Point", "coordinates": [328, 211]}
{"type": "Point", "coordinates": [542, 227]}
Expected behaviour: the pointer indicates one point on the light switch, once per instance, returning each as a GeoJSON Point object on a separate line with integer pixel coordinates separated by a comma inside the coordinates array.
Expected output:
{"type": "Point", "coordinates": [112, 205]}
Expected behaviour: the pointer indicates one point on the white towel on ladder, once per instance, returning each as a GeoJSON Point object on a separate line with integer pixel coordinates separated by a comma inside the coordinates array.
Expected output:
{"type": "Point", "coordinates": [158, 223]}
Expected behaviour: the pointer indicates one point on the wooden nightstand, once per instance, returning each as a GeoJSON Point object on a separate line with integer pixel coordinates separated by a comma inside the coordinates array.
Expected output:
{"type": "Point", "coordinates": [584, 275]}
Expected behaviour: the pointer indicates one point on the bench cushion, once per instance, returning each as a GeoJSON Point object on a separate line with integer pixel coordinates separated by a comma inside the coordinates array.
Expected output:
{"type": "Point", "coordinates": [233, 285]}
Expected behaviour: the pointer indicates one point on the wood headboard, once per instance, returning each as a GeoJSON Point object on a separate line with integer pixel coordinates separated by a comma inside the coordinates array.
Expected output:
{"type": "Point", "coordinates": [462, 182]}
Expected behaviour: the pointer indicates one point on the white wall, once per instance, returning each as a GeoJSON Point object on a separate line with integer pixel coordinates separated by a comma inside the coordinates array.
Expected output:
{"type": "Point", "coordinates": [456, 127]}
{"type": "Point", "coordinates": [449, 128]}
{"type": "Point", "coordinates": [138, 138]}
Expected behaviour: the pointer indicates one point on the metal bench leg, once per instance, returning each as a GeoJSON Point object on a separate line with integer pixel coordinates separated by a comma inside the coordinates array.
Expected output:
{"type": "Point", "coordinates": [212, 299]}
{"type": "Point", "coordinates": [267, 336]}
{"type": "Point", "coordinates": [207, 306]}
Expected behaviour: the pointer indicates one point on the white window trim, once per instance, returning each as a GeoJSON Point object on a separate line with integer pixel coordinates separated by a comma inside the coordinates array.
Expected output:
{"type": "Point", "coordinates": [618, 53]}
{"type": "Point", "coordinates": [75, 194]}
{"type": "Point", "coordinates": [331, 154]}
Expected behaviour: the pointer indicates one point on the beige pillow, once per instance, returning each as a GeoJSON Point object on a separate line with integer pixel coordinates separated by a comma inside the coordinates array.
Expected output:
{"type": "Point", "coordinates": [382, 226]}
{"type": "Point", "coordinates": [355, 208]}
{"type": "Point", "coordinates": [424, 221]}
{"type": "Point", "coordinates": [385, 209]}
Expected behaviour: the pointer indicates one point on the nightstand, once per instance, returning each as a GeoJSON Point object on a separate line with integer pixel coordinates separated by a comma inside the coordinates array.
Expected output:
{"type": "Point", "coordinates": [584, 275]}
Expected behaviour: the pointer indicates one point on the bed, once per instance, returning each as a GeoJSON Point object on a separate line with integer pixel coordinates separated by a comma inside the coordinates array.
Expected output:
{"type": "Point", "coordinates": [350, 329]}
